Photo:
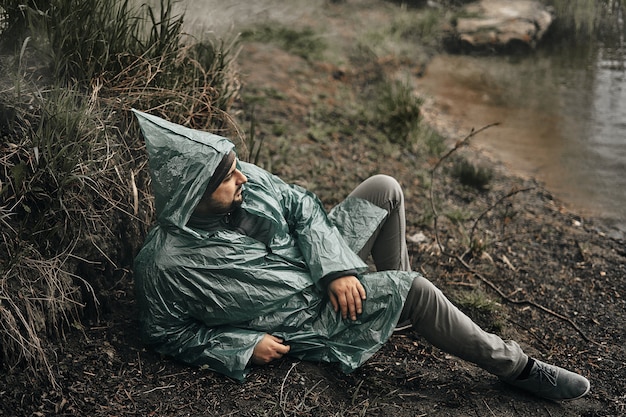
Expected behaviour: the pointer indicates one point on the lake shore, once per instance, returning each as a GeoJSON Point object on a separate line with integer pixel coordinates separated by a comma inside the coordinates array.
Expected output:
{"type": "Point", "coordinates": [530, 139]}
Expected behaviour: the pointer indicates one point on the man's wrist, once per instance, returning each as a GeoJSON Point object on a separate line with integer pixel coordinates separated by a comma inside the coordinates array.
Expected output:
{"type": "Point", "coordinates": [328, 278]}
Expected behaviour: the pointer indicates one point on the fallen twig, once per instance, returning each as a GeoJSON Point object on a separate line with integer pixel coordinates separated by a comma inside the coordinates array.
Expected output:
{"type": "Point", "coordinates": [282, 398]}
{"type": "Point", "coordinates": [458, 145]}
{"type": "Point", "coordinates": [159, 388]}
{"type": "Point", "coordinates": [523, 302]}
{"type": "Point", "coordinates": [488, 209]}
{"type": "Point", "coordinates": [461, 260]}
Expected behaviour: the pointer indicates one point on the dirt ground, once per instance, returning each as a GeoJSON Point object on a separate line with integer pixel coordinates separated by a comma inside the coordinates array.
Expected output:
{"type": "Point", "coordinates": [554, 281]}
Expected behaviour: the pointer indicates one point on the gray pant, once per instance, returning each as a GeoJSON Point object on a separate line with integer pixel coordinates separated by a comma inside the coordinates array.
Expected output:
{"type": "Point", "coordinates": [426, 307]}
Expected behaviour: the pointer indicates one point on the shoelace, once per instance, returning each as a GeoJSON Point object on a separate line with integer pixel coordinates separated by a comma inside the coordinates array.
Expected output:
{"type": "Point", "coordinates": [546, 373]}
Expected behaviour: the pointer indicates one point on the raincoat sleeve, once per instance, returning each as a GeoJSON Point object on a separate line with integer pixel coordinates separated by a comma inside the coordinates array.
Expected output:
{"type": "Point", "coordinates": [224, 349]}
{"type": "Point", "coordinates": [322, 246]}
{"type": "Point", "coordinates": [176, 319]}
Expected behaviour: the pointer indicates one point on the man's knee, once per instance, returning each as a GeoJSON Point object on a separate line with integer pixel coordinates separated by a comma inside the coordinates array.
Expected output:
{"type": "Point", "coordinates": [385, 182]}
{"type": "Point", "coordinates": [423, 287]}
{"type": "Point", "coordinates": [422, 297]}
{"type": "Point", "coordinates": [381, 190]}
{"type": "Point", "coordinates": [425, 295]}
{"type": "Point", "coordinates": [388, 186]}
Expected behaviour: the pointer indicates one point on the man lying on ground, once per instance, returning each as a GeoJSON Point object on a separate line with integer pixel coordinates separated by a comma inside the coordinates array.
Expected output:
{"type": "Point", "coordinates": [242, 268]}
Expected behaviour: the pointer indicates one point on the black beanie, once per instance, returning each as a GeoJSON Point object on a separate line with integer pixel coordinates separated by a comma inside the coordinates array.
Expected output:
{"type": "Point", "coordinates": [220, 173]}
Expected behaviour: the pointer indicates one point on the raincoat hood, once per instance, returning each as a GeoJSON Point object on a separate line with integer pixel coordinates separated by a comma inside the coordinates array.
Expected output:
{"type": "Point", "coordinates": [182, 162]}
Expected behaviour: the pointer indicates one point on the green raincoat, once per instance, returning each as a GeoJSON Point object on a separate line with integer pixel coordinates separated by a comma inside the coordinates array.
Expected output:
{"type": "Point", "coordinates": [207, 295]}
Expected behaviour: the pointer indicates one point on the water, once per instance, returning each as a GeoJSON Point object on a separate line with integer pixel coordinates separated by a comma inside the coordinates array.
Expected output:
{"type": "Point", "coordinates": [562, 115]}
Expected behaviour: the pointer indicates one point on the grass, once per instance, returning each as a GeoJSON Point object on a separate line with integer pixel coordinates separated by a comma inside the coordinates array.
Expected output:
{"type": "Point", "coordinates": [412, 33]}
{"type": "Point", "coordinates": [302, 42]}
{"type": "Point", "coordinates": [74, 202]}
{"type": "Point", "coordinates": [483, 310]}
{"type": "Point", "coordinates": [472, 176]}
{"type": "Point", "coordinates": [583, 19]}
{"type": "Point", "coordinates": [398, 109]}
{"type": "Point", "coordinates": [424, 27]}
{"type": "Point", "coordinates": [458, 216]}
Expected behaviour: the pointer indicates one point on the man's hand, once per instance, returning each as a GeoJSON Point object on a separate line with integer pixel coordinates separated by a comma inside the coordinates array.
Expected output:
{"type": "Point", "coordinates": [346, 295]}
{"type": "Point", "coordinates": [268, 349]}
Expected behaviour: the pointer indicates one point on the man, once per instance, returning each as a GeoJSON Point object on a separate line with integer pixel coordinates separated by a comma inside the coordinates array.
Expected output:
{"type": "Point", "coordinates": [243, 269]}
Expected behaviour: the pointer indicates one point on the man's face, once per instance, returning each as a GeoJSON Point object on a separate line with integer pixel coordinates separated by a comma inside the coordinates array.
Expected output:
{"type": "Point", "coordinates": [226, 197]}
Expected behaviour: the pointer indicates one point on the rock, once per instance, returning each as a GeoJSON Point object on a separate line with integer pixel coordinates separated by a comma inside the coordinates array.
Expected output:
{"type": "Point", "coordinates": [499, 25]}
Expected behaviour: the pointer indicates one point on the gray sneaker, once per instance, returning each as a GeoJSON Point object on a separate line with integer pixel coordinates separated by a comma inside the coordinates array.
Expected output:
{"type": "Point", "coordinates": [553, 382]}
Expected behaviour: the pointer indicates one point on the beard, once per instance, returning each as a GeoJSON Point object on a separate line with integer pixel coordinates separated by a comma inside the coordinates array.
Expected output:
{"type": "Point", "coordinates": [218, 207]}
{"type": "Point", "coordinates": [236, 203]}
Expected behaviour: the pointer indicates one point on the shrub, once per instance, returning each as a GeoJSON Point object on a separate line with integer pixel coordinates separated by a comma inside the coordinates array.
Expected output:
{"type": "Point", "coordinates": [74, 201]}
{"type": "Point", "coordinates": [472, 176]}
{"type": "Point", "coordinates": [486, 312]}
{"type": "Point", "coordinates": [398, 111]}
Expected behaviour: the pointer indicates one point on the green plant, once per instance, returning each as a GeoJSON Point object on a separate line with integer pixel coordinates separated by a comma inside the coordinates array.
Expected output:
{"type": "Point", "coordinates": [305, 42]}
{"type": "Point", "coordinates": [582, 20]}
{"type": "Point", "coordinates": [458, 216]}
{"type": "Point", "coordinates": [482, 309]}
{"type": "Point", "coordinates": [470, 175]}
{"type": "Point", "coordinates": [434, 142]}
{"type": "Point", "coordinates": [13, 22]}
{"type": "Point", "coordinates": [48, 164]}
{"type": "Point", "coordinates": [398, 111]}
{"type": "Point", "coordinates": [86, 40]}
{"type": "Point", "coordinates": [423, 27]}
